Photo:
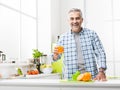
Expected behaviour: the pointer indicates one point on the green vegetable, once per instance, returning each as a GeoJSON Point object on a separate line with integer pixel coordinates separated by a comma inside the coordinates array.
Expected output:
{"type": "Point", "coordinates": [36, 53]}
{"type": "Point", "coordinates": [75, 75]}
{"type": "Point", "coordinates": [19, 71]}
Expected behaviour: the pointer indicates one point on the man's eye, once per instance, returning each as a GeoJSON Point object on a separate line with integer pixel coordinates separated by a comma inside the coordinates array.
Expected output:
{"type": "Point", "coordinates": [77, 18]}
{"type": "Point", "coordinates": [71, 18]}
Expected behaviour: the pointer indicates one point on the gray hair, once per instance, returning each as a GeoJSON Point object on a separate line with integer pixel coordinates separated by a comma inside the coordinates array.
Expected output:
{"type": "Point", "coordinates": [75, 10]}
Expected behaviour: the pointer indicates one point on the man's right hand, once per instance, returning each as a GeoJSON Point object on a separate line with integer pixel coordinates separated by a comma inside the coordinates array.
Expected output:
{"type": "Point", "coordinates": [55, 53]}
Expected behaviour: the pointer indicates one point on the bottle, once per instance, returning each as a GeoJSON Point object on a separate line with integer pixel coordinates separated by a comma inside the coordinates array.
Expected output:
{"type": "Point", "coordinates": [55, 43]}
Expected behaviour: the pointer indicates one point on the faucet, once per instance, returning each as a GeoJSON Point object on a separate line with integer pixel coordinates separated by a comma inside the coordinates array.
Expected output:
{"type": "Point", "coordinates": [2, 56]}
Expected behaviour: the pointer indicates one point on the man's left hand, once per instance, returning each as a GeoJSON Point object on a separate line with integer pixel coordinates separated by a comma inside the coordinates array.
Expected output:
{"type": "Point", "coordinates": [100, 77]}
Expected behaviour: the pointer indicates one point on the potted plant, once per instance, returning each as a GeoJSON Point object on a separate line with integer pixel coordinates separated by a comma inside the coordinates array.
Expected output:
{"type": "Point", "coordinates": [36, 55]}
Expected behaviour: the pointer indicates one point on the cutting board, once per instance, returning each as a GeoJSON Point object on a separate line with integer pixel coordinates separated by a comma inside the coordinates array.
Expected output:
{"type": "Point", "coordinates": [72, 81]}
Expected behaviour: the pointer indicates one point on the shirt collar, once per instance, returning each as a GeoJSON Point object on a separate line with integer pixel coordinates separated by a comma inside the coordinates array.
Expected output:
{"type": "Point", "coordinates": [80, 31]}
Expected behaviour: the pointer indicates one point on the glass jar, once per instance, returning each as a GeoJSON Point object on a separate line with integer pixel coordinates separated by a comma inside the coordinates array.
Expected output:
{"type": "Point", "coordinates": [43, 59]}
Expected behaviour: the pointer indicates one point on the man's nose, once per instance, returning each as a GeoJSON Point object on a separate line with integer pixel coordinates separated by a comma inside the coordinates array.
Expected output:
{"type": "Point", "coordinates": [74, 20]}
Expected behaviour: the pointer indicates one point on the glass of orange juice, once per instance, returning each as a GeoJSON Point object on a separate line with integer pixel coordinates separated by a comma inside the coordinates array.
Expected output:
{"type": "Point", "coordinates": [60, 49]}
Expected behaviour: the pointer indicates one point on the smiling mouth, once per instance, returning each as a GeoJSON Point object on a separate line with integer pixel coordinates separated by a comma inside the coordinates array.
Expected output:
{"type": "Point", "coordinates": [75, 26]}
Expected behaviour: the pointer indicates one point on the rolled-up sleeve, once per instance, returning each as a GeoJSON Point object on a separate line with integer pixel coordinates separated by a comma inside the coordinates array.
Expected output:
{"type": "Point", "coordinates": [99, 51]}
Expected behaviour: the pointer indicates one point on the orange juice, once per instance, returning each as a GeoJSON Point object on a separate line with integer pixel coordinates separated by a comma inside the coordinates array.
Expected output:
{"type": "Point", "coordinates": [60, 49]}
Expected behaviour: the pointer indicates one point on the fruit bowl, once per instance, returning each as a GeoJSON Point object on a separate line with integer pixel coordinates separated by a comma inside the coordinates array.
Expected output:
{"type": "Point", "coordinates": [47, 70]}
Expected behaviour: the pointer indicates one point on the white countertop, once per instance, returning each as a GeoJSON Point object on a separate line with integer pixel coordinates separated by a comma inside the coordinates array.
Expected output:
{"type": "Point", "coordinates": [57, 82]}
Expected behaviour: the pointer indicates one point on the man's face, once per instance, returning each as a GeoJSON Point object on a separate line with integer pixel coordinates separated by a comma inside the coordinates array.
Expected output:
{"type": "Point", "coordinates": [75, 21]}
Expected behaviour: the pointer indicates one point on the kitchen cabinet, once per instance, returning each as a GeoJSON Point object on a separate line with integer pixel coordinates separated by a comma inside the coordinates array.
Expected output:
{"type": "Point", "coordinates": [56, 84]}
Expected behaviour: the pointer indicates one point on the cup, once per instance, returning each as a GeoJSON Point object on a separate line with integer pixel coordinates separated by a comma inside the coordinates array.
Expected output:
{"type": "Point", "coordinates": [60, 49]}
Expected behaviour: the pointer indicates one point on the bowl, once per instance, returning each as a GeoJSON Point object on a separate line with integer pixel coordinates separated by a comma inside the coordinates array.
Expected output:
{"type": "Point", "coordinates": [47, 70]}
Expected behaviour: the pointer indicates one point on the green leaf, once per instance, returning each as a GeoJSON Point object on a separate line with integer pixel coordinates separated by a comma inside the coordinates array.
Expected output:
{"type": "Point", "coordinates": [75, 75]}
{"type": "Point", "coordinates": [36, 53]}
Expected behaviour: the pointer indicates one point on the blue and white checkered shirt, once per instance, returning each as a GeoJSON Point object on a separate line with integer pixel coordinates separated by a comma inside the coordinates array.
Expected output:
{"type": "Point", "coordinates": [92, 51]}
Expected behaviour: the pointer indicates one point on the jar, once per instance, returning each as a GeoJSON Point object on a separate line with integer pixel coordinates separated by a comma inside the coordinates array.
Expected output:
{"type": "Point", "coordinates": [43, 59]}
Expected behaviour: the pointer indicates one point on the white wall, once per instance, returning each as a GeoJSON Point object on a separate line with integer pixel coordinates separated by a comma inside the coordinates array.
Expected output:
{"type": "Point", "coordinates": [55, 19]}
{"type": "Point", "coordinates": [9, 32]}
{"type": "Point", "coordinates": [44, 26]}
{"type": "Point", "coordinates": [25, 26]}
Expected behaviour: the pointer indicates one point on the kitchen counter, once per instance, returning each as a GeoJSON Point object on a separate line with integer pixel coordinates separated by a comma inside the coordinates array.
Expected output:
{"type": "Point", "coordinates": [57, 84]}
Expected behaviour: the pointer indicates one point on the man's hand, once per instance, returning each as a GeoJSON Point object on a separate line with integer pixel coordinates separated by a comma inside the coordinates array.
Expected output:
{"type": "Point", "coordinates": [55, 54]}
{"type": "Point", "coordinates": [100, 77]}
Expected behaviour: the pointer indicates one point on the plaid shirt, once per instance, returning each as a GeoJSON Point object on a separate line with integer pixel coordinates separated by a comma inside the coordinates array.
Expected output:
{"type": "Point", "coordinates": [92, 51]}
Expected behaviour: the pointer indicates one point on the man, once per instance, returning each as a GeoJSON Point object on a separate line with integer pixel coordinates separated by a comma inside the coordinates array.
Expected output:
{"type": "Point", "coordinates": [83, 49]}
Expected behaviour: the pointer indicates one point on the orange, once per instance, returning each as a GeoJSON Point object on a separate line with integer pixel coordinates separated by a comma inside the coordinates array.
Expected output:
{"type": "Point", "coordinates": [80, 77]}
{"type": "Point", "coordinates": [87, 76]}
{"type": "Point", "coordinates": [84, 77]}
{"type": "Point", "coordinates": [60, 49]}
